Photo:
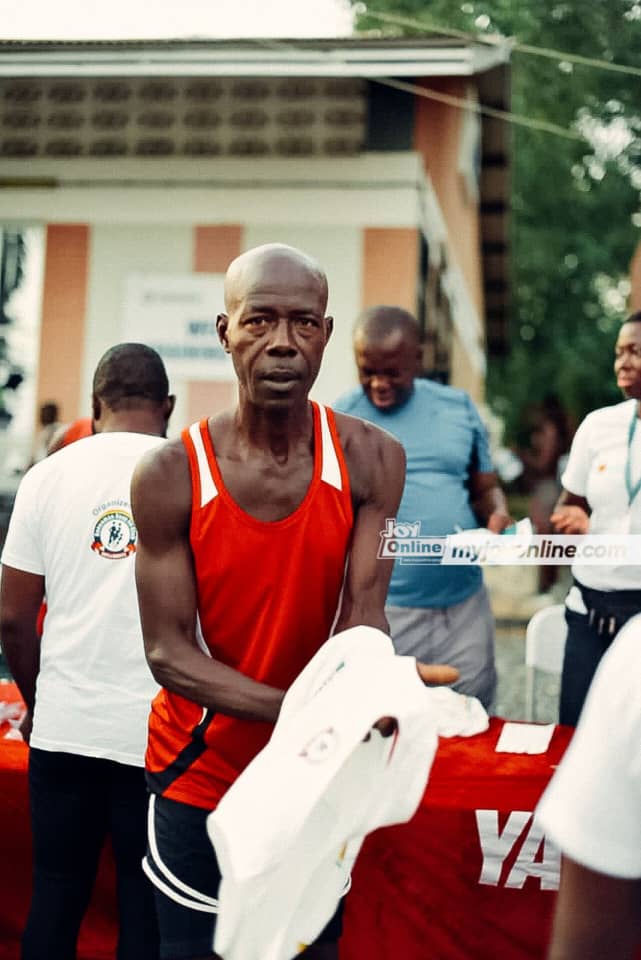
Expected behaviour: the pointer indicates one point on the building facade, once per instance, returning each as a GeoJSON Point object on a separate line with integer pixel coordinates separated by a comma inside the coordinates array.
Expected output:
{"type": "Point", "coordinates": [150, 166]}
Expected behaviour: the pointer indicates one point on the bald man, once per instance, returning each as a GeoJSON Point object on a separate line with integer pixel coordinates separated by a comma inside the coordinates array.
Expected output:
{"type": "Point", "coordinates": [436, 613]}
{"type": "Point", "coordinates": [256, 529]}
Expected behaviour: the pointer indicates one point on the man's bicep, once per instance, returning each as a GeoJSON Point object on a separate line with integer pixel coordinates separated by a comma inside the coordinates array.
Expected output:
{"type": "Point", "coordinates": [368, 572]}
{"type": "Point", "coordinates": [166, 592]}
{"type": "Point", "coordinates": [164, 565]}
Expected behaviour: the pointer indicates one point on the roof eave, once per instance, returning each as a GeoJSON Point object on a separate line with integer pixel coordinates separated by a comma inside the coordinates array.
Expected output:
{"type": "Point", "coordinates": [266, 58]}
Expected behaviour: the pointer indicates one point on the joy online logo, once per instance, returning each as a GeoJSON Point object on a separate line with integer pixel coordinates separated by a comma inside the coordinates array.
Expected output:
{"type": "Point", "coordinates": [404, 542]}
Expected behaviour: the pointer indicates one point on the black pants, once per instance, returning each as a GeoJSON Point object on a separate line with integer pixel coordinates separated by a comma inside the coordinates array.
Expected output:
{"type": "Point", "coordinates": [75, 803]}
{"type": "Point", "coordinates": [589, 636]}
{"type": "Point", "coordinates": [584, 649]}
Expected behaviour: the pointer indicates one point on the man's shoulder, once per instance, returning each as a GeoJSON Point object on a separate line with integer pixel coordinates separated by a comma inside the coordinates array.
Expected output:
{"type": "Point", "coordinates": [432, 390]}
{"type": "Point", "coordinates": [607, 417]}
{"type": "Point", "coordinates": [365, 445]}
{"type": "Point", "coordinates": [161, 460]}
{"type": "Point", "coordinates": [358, 430]}
{"type": "Point", "coordinates": [374, 458]}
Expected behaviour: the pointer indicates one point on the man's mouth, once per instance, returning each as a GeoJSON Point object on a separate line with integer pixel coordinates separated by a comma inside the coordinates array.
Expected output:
{"type": "Point", "coordinates": [280, 376]}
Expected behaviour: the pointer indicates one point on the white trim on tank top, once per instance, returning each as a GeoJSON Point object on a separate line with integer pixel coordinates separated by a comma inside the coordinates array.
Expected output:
{"type": "Point", "coordinates": [331, 471]}
{"type": "Point", "coordinates": [208, 488]}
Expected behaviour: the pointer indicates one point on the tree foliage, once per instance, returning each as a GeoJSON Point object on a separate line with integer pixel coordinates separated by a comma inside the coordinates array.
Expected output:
{"type": "Point", "coordinates": [575, 204]}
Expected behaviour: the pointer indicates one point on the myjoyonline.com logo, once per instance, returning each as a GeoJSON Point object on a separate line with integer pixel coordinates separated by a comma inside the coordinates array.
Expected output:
{"type": "Point", "coordinates": [406, 543]}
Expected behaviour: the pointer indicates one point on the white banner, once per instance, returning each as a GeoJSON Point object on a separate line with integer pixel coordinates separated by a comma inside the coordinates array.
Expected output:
{"type": "Point", "coordinates": [406, 543]}
{"type": "Point", "coordinates": [176, 315]}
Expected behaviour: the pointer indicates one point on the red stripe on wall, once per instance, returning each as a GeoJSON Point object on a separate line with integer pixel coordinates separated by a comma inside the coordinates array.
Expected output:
{"type": "Point", "coordinates": [390, 266]}
{"type": "Point", "coordinates": [62, 332]}
{"type": "Point", "coordinates": [214, 249]}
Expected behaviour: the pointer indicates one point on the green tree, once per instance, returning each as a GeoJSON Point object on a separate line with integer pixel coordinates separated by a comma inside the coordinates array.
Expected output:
{"type": "Point", "coordinates": [575, 203]}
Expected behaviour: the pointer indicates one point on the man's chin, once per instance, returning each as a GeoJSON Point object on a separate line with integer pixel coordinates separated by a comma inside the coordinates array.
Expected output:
{"type": "Point", "coordinates": [384, 404]}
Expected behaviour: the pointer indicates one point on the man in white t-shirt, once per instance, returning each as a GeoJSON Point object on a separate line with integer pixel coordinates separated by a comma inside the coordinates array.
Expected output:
{"type": "Point", "coordinates": [86, 682]}
{"type": "Point", "coordinates": [592, 811]}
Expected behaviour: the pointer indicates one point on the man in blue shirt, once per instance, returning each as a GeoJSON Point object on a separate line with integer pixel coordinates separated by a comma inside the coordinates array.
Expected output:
{"type": "Point", "coordinates": [440, 614]}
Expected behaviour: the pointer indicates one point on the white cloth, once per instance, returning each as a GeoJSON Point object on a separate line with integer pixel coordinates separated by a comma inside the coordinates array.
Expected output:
{"type": "Point", "coordinates": [592, 806]}
{"type": "Point", "coordinates": [596, 471]}
{"type": "Point", "coordinates": [72, 524]}
{"type": "Point", "coordinates": [288, 831]}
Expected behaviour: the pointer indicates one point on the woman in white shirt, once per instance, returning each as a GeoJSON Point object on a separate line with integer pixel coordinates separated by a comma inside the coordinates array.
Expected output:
{"type": "Point", "coordinates": [602, 494]}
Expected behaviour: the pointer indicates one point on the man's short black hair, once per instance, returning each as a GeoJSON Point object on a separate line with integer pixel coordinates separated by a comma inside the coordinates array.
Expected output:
{"type": "Point", "coordinates": [376, 323]}
{"type": "Point", "coordinates": [633, 318]}
{"type": "Point", "coordinates": [129, 374]}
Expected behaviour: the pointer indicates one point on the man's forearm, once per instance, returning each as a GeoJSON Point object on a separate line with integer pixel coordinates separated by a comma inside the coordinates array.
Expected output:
{"type": "Point", "coordinates": [212, 684]}
{"type": "Point", "coordinates": [490, 501]}
{"type": "Point", "coordinates": [21, 648]}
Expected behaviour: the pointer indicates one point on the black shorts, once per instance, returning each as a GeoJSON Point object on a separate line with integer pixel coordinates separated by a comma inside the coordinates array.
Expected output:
{"type": "Point", "coordinates": [182, 865]}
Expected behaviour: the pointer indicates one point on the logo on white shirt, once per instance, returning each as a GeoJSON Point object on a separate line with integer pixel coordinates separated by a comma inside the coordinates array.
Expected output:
{"type": "Point", "coordinates": [114, 535]}
{"type": "Point", "coordinates": [321, 747]}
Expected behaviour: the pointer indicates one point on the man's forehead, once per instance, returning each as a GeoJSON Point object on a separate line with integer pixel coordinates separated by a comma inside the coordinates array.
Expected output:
{"type": "Point", "coordinates": [274, 274]}
{"type": "Point", "coordinates": [630, 332]}
{"type": "Point", "coordinates": [390, 342]}
{"type": "Point", "coordinates": [303, 289]}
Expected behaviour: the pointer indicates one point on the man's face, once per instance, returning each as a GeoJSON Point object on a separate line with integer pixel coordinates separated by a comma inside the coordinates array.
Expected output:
{"type": "Point", "coordinates": [276, 331]}
{"type": "Point", "coordinates": [387, 367]}
{"type": "Point", "coordinates": [627, 360]}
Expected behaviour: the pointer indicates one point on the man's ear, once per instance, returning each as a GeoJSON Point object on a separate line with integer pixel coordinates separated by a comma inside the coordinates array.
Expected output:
{"type": "Point", "coordinates": [222, 323]}
{"type": "Point", "coordinates": [169, 405]}
{"type": "Point", "coordinates": [96, 411]}
{"type": "Point", "coordinates": [329, 327]}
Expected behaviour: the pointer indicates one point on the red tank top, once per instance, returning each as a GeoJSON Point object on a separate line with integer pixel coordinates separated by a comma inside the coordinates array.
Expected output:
{"type": "Point", "coordinates": [268, 593]}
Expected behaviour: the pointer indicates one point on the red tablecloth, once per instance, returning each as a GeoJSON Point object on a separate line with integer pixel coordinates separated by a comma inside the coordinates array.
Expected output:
{"type": "Point", "coordinates": [464, 880]}
{"type": "Point", "coordinates": [98, 935]}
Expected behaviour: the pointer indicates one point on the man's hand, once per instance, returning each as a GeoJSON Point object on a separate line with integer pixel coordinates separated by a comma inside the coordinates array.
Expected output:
{"type": "Point", "coordinates": [570, 519]}
{"type": "Point", "coordinates": [436, 674]}
{"type": "Point", "coordinates": [498, 521]}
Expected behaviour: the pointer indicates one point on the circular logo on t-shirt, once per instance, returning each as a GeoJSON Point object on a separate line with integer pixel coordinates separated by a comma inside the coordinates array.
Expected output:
{"type": "Point", "coordinates": [114, 535]}
{"type": "Point", "coordinates": [321, 747]}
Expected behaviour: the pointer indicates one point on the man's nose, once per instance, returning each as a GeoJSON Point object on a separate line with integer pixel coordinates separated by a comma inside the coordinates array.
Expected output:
{"type": "Point", "coordinates": [281, 338]}
{"type": "Point", "coordinates": [379, 382]}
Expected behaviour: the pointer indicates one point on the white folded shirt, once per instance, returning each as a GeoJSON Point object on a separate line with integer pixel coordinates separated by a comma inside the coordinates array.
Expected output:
{"type": "Point", "coordinates": [288, 831]}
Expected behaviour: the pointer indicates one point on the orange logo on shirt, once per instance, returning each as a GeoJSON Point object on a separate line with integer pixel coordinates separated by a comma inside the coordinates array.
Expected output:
{"type": "Point", "coordinates": [601, 467]}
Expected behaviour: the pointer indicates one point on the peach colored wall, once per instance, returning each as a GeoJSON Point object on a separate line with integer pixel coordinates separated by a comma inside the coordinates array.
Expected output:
{"type": "Point", "coordinates": [635, 281]}
{"type": "Point", "coordinates": [437, 136]}
{"type": "Point", "coordinates": [62, 332]}
{"type": "Point", "coordinates": [463, 374]}
{"type": "Point", "coordinates": [214, 249]}
{"type": "Point", "coordinates": [390, 264]}
{"type": "Point", "coordinates": [216, 246]}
